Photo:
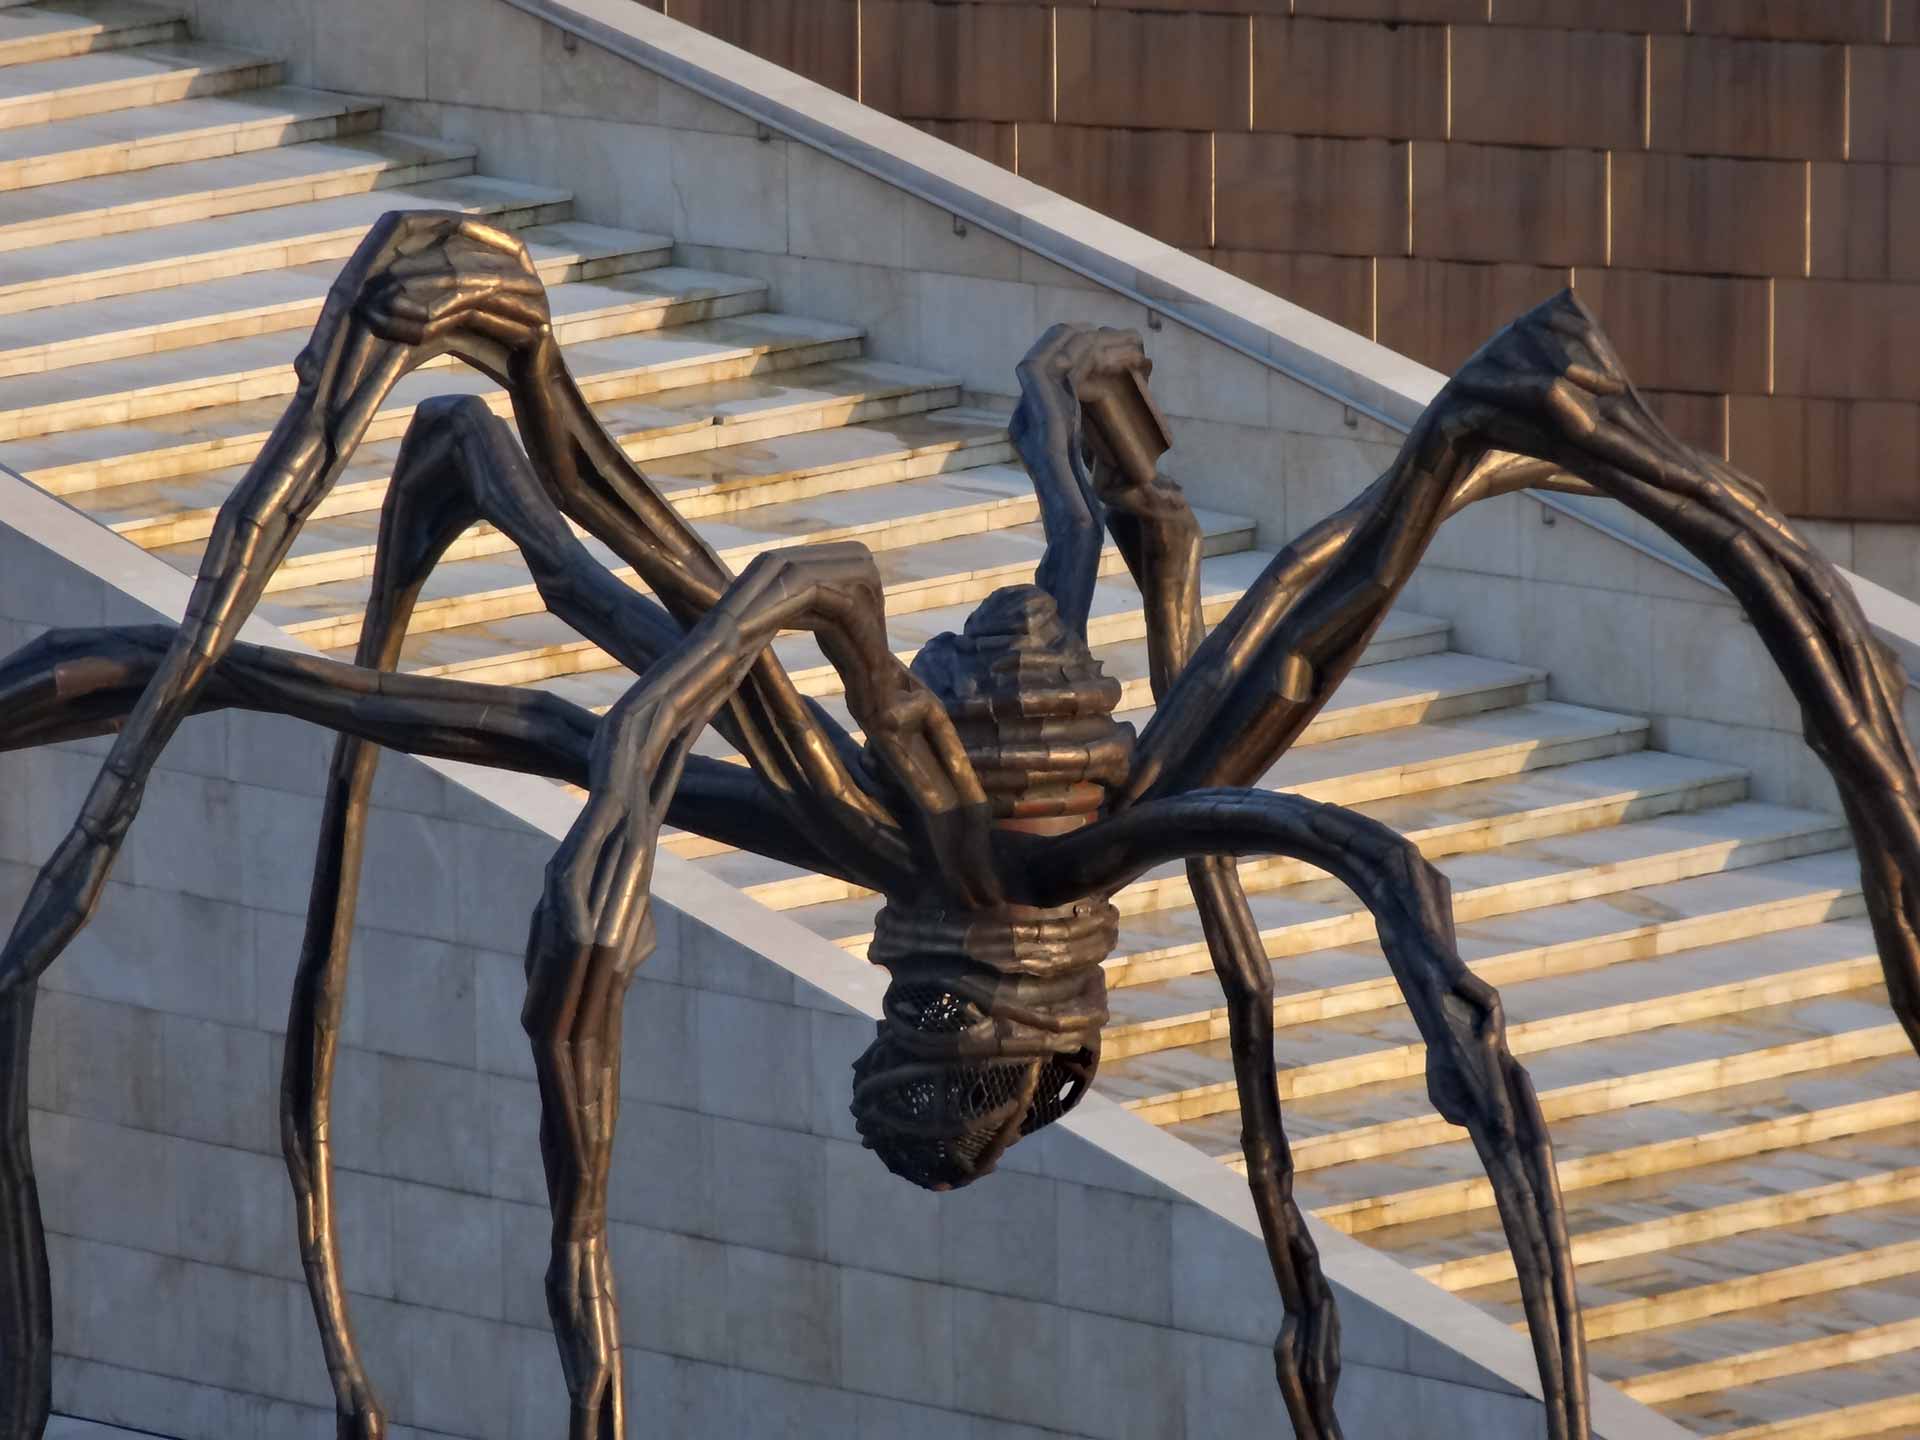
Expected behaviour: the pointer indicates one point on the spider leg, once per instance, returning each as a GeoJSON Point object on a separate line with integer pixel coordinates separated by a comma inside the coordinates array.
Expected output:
{"type": "Point", "coordinates": [1084, 390]}
{"type": "Point", "coordinates": [593, 925]}
{"type": "Point", "coordinates": [418, 286]}
{"type": "Point", "coordinates": [1471, 1074]}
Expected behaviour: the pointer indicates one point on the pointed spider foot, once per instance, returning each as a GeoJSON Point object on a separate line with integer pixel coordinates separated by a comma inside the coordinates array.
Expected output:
{"type": "Point", "coordinates": [365, 1423]}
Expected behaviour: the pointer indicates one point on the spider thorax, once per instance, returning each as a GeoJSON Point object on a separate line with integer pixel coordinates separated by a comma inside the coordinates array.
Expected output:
{"type": "Point", "coordinates": [992, 1017]}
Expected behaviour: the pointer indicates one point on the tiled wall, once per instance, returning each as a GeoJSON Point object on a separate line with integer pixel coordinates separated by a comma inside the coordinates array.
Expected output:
{"type": "Point", "coordinates": [1726, 181]}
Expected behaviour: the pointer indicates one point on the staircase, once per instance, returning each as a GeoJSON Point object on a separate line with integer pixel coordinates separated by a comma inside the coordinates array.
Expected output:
{"type": "Point", "coordinates": [1687, 972]}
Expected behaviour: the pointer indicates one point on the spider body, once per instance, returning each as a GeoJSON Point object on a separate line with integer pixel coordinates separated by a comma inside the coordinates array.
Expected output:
{"type": "Point", "coordinates": [997, 804]}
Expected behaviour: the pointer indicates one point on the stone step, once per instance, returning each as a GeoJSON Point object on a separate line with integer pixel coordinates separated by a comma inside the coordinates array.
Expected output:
{"type": "Point", "coordinates": [1851, 1264]}
{"type": "Point", "coordinates": [960, 502]}
{"type": "Point", "coordinates": [128, 140]}
{"type": "Point", "coordinates": [1894, 1418]}
{"type": "Point", "coordinates": [1114, 620]}
{"type": "Point", "coordinates": [1552, 1013]}
{"type": "Point", "coordinates": [1373, 699]}
{"type": "Point", "coordinates": [770, 398]}
{"type": "Point", "coordinates": [654, 314]}
{"type": "Point", "coordinates": [878, 413]}
{"type": "Point", "coordinates": [1662, 1387]}
{"type": "Point", "coordinates": [1355, 1199]}
{"type": "Point", "coordinates": [1695, 1227]}
{"type": "Point", "coordinates": [50, 276]}
{"type": "Point", "coordinates": [55, 30]}
{"type": "Point", "coordinates": [79, 85]}
{"type": "Point", "coordinates": [1530, 875]}
{"type": "Point", "coordinates": [506, 637]}
{"type": "Point", "coordinates": [275, 301]}
{"type": "Point", "coordinates": [906, 445]}
{"type": "Point", "coordinates": [639, 358]}
{"type": "Point", "coordinates": [1482, 820]}
{"type": "Point", "coordinates": [201, 189]}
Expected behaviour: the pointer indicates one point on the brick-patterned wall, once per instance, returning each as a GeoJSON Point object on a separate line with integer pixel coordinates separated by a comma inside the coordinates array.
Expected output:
{"type": "Point", "coordinates": [1726, 181]}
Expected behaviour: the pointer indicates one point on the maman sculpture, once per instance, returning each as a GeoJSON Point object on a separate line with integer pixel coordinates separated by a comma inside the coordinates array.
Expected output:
{"type": "Point", "coordinates": [995, 802]}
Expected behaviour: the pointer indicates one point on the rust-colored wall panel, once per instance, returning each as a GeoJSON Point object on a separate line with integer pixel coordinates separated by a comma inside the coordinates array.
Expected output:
{"type": "Point", "coordinates": [1497, 202]}
{"type": "Point", "coordinates": [1733, 217]}
{"type": "Point", "coordinates": [1846, 340]}
{"type": "Point", "coordinates": [956, 62]}
{"type": "Point", "coordinates": [1905, 17]}
{"type": "Point", "coordinates": [1855, 20]}
{"type": "Point", "coordinates": [1885, 80]}
{"type": "Point", "coordinates": [1336, 77]}
{"type": "Point", "coordinates": [1716, 96]}
{"type": "Point", "coordinates": [1865, 221]}
{"type": "Point", "coordinates": [1831, 459]}
{"type": "Point", "coordinates": [1700, 420]}
{"type": "Point", "coordinates": [1518, 86]}
{"type": "Point", "coordinates": [1440, 312]}
{"type": "Point", "coordinates": [1635, 16]}
{"type": "Point", "coordinates": [818, 38]}
{"type": "Point", "coordinates": [1290, 192]}
{"type": "Point", "coordinates": [1335, 286]}
{"type": "Point", "coordinates": [1148, 71]}
{"type": "Point", "coordinates": [1155, 180]}
{"type": "Point", "coordinates": [1442, 11]}
{"type": "Point", "coordinates": [1683, 332]}
{"type": "Point", "coordinates": [980, 137]}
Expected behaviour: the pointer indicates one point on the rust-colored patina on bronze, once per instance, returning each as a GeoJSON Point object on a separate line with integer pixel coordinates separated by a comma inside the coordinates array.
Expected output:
{"type": "Point", "coordinates": [995, 801]}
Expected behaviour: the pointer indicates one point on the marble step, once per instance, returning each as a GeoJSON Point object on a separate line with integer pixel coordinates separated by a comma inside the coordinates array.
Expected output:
{"type": "Point", "coordinates": [1370, 761]}
{"type": "Point", "coordinates": [1894, 1418]}
{"type": "Point", "coordinates": [299, 233]}
{"type": "Point", "coordinates": [873, 415]}
{"type": "Point", "coordinates": [1320, 914]}
{"type": "Point", "coordinates": [618, 348]}
{"type": "Point", "coordinates": [774, 396]}
{"type": "Point", "coordinates": [1775, 1362]}
{"type": "Point", "coordinates": [1860, 1110]}
{"type": "Point", "coordinates": [109, 80]}
{"type": "Point", "coordinates": [1114, 620]}
{"type": "Point", "coordinates": [912, 444]}
{"type": "Point", "coordinates": [275, 301]}
{"type": "Point", "coordinates": [958, 502]}
{"type": "Point", "coordinates": [1374, 698]}
{"type": "Point", "coordinates": [1552, 1013]}
{"type": "Point", "coordinates": [227, 185]}
{"type": "Point", "coordinates": [59, 28]}
{"type": "Point", "coordinates": [1525, 876]}
{"type": "Point", "coordinates": [1579, 938]}
{"type": "Point", "coordinates": [1681, 1228]}
{"type": "Point", "coordinates": [506, 637]}
{"type": "Point", "coordinates": [128, 140]}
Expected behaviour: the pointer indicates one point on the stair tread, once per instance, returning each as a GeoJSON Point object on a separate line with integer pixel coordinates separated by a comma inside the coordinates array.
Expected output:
{"type": "Point", "coordinates": [274, 104]}
{"type": "Point", "coordinates": [1666, 978]}
{"type": "Point", "coordinates": [362, 484]}
{"type": "Point", "coordinates": [1832, 877]}
{"type": "Point", "coordinates": [1387, 684]}
{"type": "Point", "coordinates": [273, 353]}
{"type": "Point", "coordinates": [169, 185]}
{"type": "Point", "coordinates": [343, 217]}
{"type": "Point", "coordinates": [689, 416]}
{"type": "Point", "coordinates": [1807, 1397]}
{"type": "Point", "coordinates": [1721, 832]}
{"type": "Point", "coordinates": [1013, 549]}
{"type": "Point", "coordinates": [25, 31]}
{"type": "Point", "coordinates": [20, 83]}
{"type": "Point", "coordinates": [292, 297]}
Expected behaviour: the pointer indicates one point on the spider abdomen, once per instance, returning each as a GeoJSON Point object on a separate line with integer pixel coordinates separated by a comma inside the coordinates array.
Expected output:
{"type": "Point", "coordinates": [1033, 709]}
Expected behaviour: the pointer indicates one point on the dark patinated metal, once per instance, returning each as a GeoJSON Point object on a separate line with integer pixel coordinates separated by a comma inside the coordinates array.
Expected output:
{"type": "Point", "coordinates": [995, 801]}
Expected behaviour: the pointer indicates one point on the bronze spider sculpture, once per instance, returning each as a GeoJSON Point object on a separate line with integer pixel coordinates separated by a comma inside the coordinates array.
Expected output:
{"type": "Point", "coordinates": [995, 802]}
